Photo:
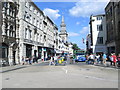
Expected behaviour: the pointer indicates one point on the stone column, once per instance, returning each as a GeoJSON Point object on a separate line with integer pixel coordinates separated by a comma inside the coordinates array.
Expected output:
{"type": "Point", "coordinates": [10, 54]}
{"type": "Point", "coordinates": [3, 26]}
{"type": "Point", "coordinates": [42, 55]}
{"type": "Point", "coordinates": [8, 6]}
{"type": "Point", "coordinates": [17, 56]}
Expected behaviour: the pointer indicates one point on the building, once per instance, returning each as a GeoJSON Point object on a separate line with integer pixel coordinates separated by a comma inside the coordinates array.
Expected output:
{"type": "Point", "coordinates": [9, 31]}
{"type": "Point", "coordinates": [112, 12]}
{"type": "Point", "coordinates": [88, 44]}
{"type": "Point", "coordinates": [98, 33]}
{"type": "Point", "coordinates": [37, 32]}
{"type": "Point", "coordinates": [28, 33]}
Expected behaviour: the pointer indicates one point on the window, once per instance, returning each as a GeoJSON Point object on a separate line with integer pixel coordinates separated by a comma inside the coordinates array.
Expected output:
{"type": "Point", "coordinates": [100, 40]}
{"type": "Point", "coordinates": [30, 19]}
{"type": "Point", "coordinates": [25, 33]}
{"type": "Point", "coordinates": [111, 11]}
{"type": "Point", "coordinates": [38, 37]}
{"type": "Point", "coordinates": [30, 32]}
{"type": "Point", "coordinates": [99, 18]}
{"type": "Point", "coordinates": [26, 4]}
{"type": "Point", "coordinates": [99, 27]}
{"type": "Point", "coordinates": [34, 21]}
{"type": "Point", "coordinates": [30, 7]}
{"type": "Point", "coordinates": [37, 23]}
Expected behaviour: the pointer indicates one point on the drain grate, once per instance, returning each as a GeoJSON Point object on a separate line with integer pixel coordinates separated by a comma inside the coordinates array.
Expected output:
{"type": "Point", "coordinates": [7, 79]}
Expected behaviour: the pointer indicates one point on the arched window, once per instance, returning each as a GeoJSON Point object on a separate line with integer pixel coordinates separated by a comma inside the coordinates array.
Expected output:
{"type": "Point", "coordinates": [10, 11]}
{"type": "Point", "coordinates": [11, 28]}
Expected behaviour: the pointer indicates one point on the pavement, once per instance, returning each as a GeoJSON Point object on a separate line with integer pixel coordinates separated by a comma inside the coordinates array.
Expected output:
{"type": "Point", "coordinates": [78, 75]}
{"type": "Point", "coordinates": [16, 67]}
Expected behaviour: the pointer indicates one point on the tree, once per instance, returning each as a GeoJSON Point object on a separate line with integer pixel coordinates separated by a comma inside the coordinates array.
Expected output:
{"type": "Point", "coordinates": [75, 47]}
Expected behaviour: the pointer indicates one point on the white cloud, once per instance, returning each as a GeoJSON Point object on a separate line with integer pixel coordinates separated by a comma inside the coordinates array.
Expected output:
{"type": "Point", "coordinates": [73, 34]}
{"type": "Point", "coordinates": [86, 8]}
{"type": "Point", "coordinates": [53, 14]}
{"type": "Point", "coordinates": [77, 23]}
{"type": "Point", "coordinates": [84, 30]}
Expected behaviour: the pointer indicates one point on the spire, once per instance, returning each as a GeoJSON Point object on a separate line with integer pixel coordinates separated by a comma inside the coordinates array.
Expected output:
{"type": "Point", "coordinates": [62, 19]}
{"type": "Point", "coordinates": [63, 32]}
{"type": "Point", "coordinates": [63, 26]}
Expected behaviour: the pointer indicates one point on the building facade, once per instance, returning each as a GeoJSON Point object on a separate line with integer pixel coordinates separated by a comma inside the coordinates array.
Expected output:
{"type": "Point", "coordinates": [9, 31]}
{"type": "Point", "coordinates": [112, 12]}
{"type": "Point", "coordinates": [88, 44]}
{"type": "Point", "coordinates": [98, 33]}
{"type": "Point", "coordinates": [27, 32]}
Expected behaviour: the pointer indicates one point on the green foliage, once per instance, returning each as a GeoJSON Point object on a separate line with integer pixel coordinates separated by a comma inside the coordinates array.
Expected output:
{"type": "Point", "coordinates": [75, 47]}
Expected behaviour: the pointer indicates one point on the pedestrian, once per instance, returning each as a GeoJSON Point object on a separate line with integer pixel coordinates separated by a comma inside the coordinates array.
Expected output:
{"type": "Point", "coordinates": [97, 58]}
{"type": "Point", "coordinates": [34, 59]}
{"type": "Point", "coordinates": [114, 60]}
{"type": "Point", "coordinates": [51, 61]}
{"type": "Point", "coordinates": [37, 59]}
{"type": "Point", "coordinates": [23, 60]}
{"type": "Point", "coordinates": [55, 60]}
{"type": "Point", "coordinates": [29, 59]}
{"type": "Point", "coordinates": [104, 59]}
{"type": "Point", "coordinates": [91, 59]}
{"type": "Point", "coordinates": [111, 59]}
{"type": "Point", "coordinates": [26, 60]}
{"type": "Point", "coordinates": [101, 59]}
{"type": "Point", "coordinates": [118, 58]}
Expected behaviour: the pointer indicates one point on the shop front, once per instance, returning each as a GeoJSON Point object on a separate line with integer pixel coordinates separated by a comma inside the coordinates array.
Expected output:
{"type": "Point", "coordinates": [28, 50]}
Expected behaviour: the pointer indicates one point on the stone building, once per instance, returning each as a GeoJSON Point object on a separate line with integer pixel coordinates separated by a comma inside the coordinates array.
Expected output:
{"type": "Point", "coordinates": [32, 31]}
{"type": "Point", "coordinates": [9, 31]}
{"type": "Point", "coordinates": [88, 44]}
{"type": "Point", "coordinates": [37, 32]}
{"type": "Point", "coordinates": [98, 33]}
{"type": "Point", "coordinates": [28, 33]}
{"type": "Point", "coordinates": [112, 12]}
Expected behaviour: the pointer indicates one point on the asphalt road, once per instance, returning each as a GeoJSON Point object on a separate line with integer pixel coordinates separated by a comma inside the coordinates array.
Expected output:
{"type": "Point", "coordinates": [70, 76]}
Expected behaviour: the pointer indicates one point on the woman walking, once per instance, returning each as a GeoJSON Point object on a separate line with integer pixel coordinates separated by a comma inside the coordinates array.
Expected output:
{"type": "Point", "coordinates": [114, 60]}
{"type": "Point", "coordinates": [118, 58]}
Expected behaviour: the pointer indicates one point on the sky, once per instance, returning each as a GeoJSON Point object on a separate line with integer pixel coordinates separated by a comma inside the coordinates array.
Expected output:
{"type": "Point", "coordinates": [76, 15]}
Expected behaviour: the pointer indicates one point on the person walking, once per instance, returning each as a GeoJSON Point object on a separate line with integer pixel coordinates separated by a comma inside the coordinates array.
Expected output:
{"type": "Point", "coordinates": [97, 58]}
{"type": "Point", "coordinates": [23, 60]}
{"type": "Point", "coordinates": [65, 58]}
{"type": "Point", "coordinates": [118, 58]}
{"type": "Point", "coordinates": [104, 59]}
{"type": "Point", "coordinates": [51, 61]}
{"type": "Point", "coordinates": [114, 60]}
{"type": "Point", "coordinates": [111, 59]}
{"type": "Point", "coordinates": [29, 60]}
{"type": "Point", "coordinates": [26, 60]}
{"type": "Point", "coordinates": [91, 59]}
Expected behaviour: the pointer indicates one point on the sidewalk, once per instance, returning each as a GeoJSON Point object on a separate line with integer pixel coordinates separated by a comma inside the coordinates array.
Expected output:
{"type": "Point", "coordinates": [16, 67]}
{"type": "Point", "coordinates": [107, 66]}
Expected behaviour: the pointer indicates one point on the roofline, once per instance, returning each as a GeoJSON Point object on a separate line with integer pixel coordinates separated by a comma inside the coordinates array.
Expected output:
{"type": "Point", "coordinates": [99, 15]}
{"type": "Point", "coordinates": [37, 7]}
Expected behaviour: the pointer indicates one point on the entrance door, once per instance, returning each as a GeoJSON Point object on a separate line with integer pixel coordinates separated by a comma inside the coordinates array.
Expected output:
{"type": "Point", "coordinates": [35, 53]}
{"type": "Point", "coordinates": [14, 62]}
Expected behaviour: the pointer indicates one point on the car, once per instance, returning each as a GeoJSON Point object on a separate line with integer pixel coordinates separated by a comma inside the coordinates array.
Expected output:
{"type": "Point", "coordinates": [80, 58]}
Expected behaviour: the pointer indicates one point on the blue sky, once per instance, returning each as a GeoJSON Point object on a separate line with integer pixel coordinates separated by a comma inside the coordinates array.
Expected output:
{"type": "Point", "coordinates": [76, 15]}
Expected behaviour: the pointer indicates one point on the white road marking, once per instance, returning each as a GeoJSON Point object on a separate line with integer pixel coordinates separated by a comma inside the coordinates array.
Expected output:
{"type": "Point", "coordinates": [66, 71]}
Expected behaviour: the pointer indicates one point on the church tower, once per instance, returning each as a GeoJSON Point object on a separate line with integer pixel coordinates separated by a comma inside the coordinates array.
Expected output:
{"type": "Point", "coordinates": [63, 33]}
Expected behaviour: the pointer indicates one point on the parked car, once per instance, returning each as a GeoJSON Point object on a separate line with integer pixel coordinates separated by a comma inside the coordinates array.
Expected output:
{"type": "Point", "coordinates": [80, 58]}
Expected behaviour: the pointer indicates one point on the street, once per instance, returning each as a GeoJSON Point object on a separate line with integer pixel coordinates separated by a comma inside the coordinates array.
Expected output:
{"type": "Point", "coordinates": [79, 75]}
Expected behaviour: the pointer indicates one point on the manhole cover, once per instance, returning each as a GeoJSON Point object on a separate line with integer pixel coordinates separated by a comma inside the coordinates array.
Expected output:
{"type": "Point", "coordinates": [87, 69]}
{"type": "Point", "coordinates": [7, 78]}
